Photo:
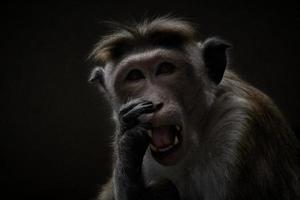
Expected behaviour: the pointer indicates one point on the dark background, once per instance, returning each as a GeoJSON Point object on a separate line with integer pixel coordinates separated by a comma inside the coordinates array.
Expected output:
{"type": "Point", "coordinates": [56, 128]}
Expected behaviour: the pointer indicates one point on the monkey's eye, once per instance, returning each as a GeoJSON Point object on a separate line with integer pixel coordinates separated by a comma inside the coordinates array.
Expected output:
{"type": "Point", "coordinates": [134, 75]}
{"type": "Point", "coordinates": [165, 68]}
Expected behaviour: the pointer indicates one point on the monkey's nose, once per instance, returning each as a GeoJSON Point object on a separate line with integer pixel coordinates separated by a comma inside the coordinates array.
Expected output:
{"type": "Point", "coordinates": [158, 106]}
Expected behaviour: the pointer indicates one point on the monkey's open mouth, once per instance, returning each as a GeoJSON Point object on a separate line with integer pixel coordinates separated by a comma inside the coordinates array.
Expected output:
{"type": "Point", "coordinates": [165, 140]}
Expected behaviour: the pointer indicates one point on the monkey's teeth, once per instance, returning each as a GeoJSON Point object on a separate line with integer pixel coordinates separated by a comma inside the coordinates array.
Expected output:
{"type": "Point", "coordinates": [176, 141]}
{"type": "Point", "coordinates": [153, 148]}
{"type": "Point", "coordinates": [177, 128]}
{"type": "Point", "coordinates": [166, 148]}
{"type": "Point", "coordinates": [149, 133]}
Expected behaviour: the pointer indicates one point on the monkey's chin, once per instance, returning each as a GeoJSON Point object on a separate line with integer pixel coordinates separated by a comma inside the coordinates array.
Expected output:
{"type": "Point", "coordinates": [166, 144]}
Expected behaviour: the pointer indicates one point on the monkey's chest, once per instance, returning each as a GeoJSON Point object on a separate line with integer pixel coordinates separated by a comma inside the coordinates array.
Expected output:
{"type": "Point", "coordinates": [188, 186]}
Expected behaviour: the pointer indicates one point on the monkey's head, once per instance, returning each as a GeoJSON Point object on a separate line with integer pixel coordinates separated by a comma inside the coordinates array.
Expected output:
{"type": "Point", "coordinates": [161, 61]}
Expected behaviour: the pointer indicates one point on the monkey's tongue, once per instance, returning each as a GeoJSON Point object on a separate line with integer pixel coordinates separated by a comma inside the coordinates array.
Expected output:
{"type": "Point", "coordinates": [162, 137]}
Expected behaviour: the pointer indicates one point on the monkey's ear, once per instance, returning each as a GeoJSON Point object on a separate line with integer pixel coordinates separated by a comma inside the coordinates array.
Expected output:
{"type": "Point", "coordinates": [214, 57]}
{"type": "Point", "coordinates": [97, 76]}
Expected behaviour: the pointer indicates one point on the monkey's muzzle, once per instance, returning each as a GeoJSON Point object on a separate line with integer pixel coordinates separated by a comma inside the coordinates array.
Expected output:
{"type": "Point", "coordinates": [165, 140]}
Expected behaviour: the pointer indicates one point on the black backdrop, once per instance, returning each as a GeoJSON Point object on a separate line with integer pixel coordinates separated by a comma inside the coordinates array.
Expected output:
{"type": "Point", "coordinates": [56, 128]}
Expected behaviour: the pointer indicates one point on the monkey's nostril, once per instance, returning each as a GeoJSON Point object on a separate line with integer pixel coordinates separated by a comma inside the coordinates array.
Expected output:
{"type": "Point", "coordinates": [158, 106]}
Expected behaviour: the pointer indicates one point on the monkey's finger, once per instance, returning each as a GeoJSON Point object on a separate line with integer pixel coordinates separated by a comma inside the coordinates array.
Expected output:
{"type": "Point", "coordinates": [130, 119]}
{"type": "Point", "coordinates": [141, 133]}
{"type": "Point", "coordinates": [137, 111]}
{"type": "Point", "coordinates": [146, 117]}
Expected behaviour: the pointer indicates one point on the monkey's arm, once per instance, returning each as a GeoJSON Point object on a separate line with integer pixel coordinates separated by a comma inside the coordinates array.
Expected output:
{"type": "Point", "coordinates": [132, 141]}
{"type": "Point", "coordinates": [131, 144]}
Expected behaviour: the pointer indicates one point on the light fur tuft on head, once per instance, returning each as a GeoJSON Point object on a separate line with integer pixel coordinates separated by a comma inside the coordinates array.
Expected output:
{"type": "Point", "coordinates": [164, 31]}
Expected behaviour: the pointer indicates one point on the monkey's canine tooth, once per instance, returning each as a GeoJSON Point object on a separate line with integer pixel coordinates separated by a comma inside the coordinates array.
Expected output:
{"type": "Point", "coordinates": [177, 127]}
{"type": "Point", "coordinates": [153, 148]}
{"type": "Point", "coordinates": [149, 132]}
{"type": "Point", "coordinates": [176, 141]}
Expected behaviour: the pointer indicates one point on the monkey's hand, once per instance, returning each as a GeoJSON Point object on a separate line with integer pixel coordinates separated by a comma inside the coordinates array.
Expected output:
{"type": "Point", "coordinates": [132, 142]}
{"type": "Point", "coordinates": [133, 138]}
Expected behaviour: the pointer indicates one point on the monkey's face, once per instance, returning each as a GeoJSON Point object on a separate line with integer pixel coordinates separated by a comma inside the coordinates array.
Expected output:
{"type": "Point", "coordinates": [168, 80]}
{"type": "Point", "coordinates": [179, 82]}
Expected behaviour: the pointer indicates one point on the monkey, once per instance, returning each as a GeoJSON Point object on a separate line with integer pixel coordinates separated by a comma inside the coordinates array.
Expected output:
{"type": "Point", "coordinates": [187, 126]}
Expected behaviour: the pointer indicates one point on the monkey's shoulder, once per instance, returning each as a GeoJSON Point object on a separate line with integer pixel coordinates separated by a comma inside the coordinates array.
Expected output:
{"type": "Point", "coordinates": [238, 102]}
{"type": "Point", "coordinates": [242, 94]}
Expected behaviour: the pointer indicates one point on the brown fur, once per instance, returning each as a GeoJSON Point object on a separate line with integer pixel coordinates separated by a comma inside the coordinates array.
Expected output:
{"type": "Point", "coordinates": [156, 31]}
